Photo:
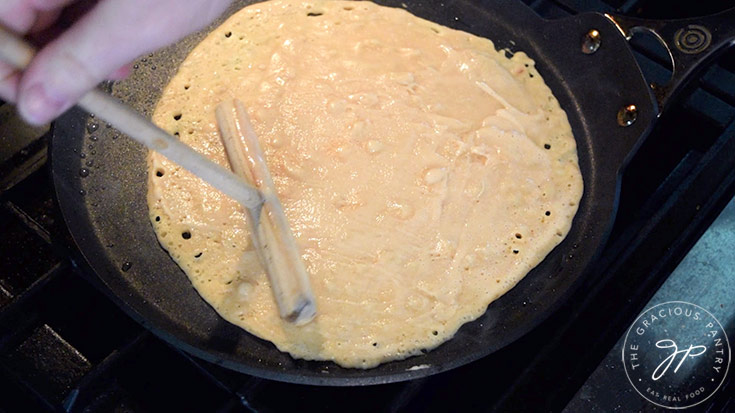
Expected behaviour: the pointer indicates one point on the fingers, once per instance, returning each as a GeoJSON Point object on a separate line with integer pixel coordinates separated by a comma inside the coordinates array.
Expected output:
{"type": "Point", "coordinates": [9, 79]}
{"type": "Point", "coordinates": [49, 5]}
{"type": "Point", "coordinates": [44, 20]}
{"type": "Point", "coordinates": [22, 16]}
{"type": "Point", "coordinates": [111, 35]}
{"type": "Point", "coordinates": [17, 15]}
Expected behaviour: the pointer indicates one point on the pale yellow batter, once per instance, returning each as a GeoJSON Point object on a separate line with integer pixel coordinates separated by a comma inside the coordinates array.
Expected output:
{"type": "Point", "coordinates": [423, 174]}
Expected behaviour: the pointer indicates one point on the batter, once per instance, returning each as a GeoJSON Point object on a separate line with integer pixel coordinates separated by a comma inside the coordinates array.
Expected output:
{"type": "Point", "coordinates": [423, 173]}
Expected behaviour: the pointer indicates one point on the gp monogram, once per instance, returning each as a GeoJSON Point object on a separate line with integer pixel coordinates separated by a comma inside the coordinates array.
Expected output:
{"type": "Point", "coordinates": [676, 355]}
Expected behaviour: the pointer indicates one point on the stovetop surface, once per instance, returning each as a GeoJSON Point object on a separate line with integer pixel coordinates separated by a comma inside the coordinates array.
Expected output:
{"type": "Point", "coordinates": [65, 346]}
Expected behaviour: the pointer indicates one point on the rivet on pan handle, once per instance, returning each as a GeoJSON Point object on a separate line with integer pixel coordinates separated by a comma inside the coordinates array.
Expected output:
{"type": "Point", "coordinates": [691, 44]}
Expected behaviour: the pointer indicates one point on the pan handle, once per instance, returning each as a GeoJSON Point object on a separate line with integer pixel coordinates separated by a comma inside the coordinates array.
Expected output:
{"type": "Point", "coordinates": [691, 43]}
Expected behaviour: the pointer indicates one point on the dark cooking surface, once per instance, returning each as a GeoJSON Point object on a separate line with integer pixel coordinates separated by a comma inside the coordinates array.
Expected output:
{"type": "Point", "coordinates": [64, 344]}
{"type": "Point", "coordinates": [105, 209]}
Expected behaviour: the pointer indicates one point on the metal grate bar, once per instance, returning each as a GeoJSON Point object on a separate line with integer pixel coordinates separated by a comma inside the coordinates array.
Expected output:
{"type": "Point", "coordinates": [98, 379]}
{"type": "Point", "coordinates": [708, 106]}
{"type": "Point", "coordinates": [579, 6]}
{"type": "Point", "coordinates": [721, 83]}
{"type": "Point", "coordinates": [19, 305]}
{"type": "Point", "coordinates": [29, 222]}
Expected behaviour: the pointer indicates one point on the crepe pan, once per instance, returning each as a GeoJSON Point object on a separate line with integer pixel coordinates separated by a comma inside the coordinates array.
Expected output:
{"type": "Point", "coordinates": [100, 182]}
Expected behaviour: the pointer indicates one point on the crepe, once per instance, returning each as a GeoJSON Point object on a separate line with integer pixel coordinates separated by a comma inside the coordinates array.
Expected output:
{"type": "Point", "coordinates": [423, 174]}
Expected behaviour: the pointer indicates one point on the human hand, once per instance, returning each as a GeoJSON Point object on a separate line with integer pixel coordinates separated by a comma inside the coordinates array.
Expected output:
{"type": "Point", "coordinates": [97, 46]}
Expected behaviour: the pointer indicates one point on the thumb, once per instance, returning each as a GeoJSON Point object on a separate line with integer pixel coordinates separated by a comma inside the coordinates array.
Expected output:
{"type": "Point", "coordinates": [111, 35]}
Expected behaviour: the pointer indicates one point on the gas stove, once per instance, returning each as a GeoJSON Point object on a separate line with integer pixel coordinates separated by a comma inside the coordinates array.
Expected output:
{"type": "Point", "coordinates": [64, 345]}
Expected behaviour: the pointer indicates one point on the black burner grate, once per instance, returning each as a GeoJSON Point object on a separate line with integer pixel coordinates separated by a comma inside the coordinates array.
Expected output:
{"type": "Point", "coordinates": [66, 346]}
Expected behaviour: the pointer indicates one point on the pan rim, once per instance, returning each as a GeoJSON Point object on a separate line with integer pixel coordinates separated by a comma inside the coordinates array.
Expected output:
{"type": "Point", "coordinates": [302, 376]}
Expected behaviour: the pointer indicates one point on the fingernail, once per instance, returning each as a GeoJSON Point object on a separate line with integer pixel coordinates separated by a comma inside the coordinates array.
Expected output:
{"type": "Point", "coordinates": [121, 73]}
{"type": "Point", "coordinates": [38, 106]}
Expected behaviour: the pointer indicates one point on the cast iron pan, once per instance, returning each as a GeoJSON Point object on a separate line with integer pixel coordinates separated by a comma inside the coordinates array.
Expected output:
{"type": "Point", "coordinates": [100, 182]}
